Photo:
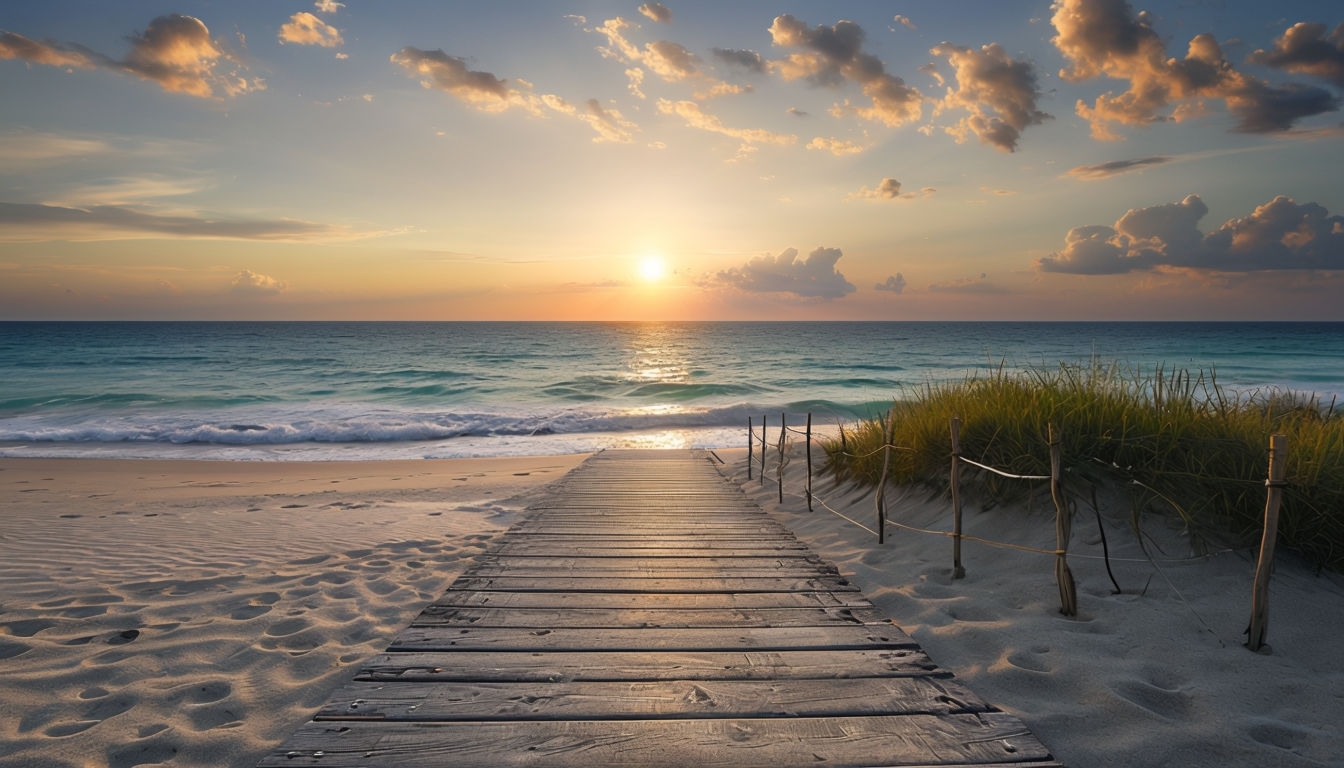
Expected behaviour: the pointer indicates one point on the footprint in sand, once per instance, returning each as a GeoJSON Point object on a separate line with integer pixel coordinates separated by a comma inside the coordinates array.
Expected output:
{"type": "Point", "coordinates": [1154, 695]}
{"type": "Point", "coordinates": [123, 637]}
{"type": "Point", "coordinates": [69, 729]}
{"type": "Point", "coordinates": [286, 627]}
{"type": "Point", "coordinates": [26, 627]}
{"type": "Point", "coordinates": [250, 611]}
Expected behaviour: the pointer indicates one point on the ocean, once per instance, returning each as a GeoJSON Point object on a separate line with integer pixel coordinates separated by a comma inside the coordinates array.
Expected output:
{"type": "Point", "coordinates": [261, 391]}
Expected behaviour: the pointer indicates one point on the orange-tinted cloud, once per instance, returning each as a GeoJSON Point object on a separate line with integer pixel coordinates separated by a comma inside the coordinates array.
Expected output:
{"type": "Point", "coordinates": [304, 28]}
{"type": "Point", "coordinates": [14, 46]}
{"type": "Point", "coordinates": [656, 12]}
{"type": "Point", "coordinates": [174, 51]}
{"type": "Point", "coordinates": [999, 93]}
{"type": "Point", "coordinates": [1278, 235]}
{"type": "Point", "coordinates": [1304, 48]}
{"type": "Point", "coordinates": [450, 74]}
{"type": "Point", "coordinates": [696, 117]}
{"type": "Point", "coordinates": [832, 55]}
{"type": "Point", "coordinates": [1106, 38]}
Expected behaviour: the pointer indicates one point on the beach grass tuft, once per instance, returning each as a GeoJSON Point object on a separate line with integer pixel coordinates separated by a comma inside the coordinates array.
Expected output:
{"type": "Point", "coordinates": [1179, 442]}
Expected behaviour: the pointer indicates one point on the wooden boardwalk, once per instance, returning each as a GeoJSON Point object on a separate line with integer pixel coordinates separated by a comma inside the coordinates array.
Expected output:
{"type": "Point", "coordinates": [648, 614]}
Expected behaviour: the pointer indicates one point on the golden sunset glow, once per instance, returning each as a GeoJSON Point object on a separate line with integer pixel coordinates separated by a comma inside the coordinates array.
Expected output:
{"type": "Point", "coordinates": [652, 268]}
{"type": "Point", "coordinates": [702, 160]}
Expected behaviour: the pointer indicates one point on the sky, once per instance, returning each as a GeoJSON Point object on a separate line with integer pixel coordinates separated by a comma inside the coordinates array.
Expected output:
{"type": "Point", "coordinates": [592, 160]}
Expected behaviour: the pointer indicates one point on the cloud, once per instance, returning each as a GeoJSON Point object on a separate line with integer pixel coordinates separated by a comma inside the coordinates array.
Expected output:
{"type": "Point", "coordinates": [814, 277]}
{"type": "Point", "coordinates": [1278, 235]}
{"type": "Point", "coordinates": [737, 57]}
{"type": "Point", "coordinates": [837, 147]}
{"type": "Point", "coordinates": [304, 28]}
{"type": "Point", "coordinates": [38, 222]}
{"type": "Point", "coordinates": [833, 55]}
{"type": "Point", "coordinates": [671, 61]}
{"type": "Point", "coordinates": [174, 51]}
{"type": "Point", "coordinates": [610, 125]}
{"type": "Point", "coordinates": [1305, 49]}
{"type": "Point", "coordinates": [52, 54]}
{"type": "Point", "coordinates": [1000, 94]}
{"type": "Point", "coordinates": [249, 283]}
{"type": "Point", "coordinates": [28, 148]}
{"type": "Point", "coordinates": [796, 112]}
{"type": "Point", "coordinates": [696, 117]}
{"type": "Point", "coordinates": [888, 189]}
{"type": "Point", "coordinates": [894, 284]}
{"type": "Point", "coordinates": [1105, 38]}
{"type": "Point", "coordinates": [904, 21]}
{"type": "Point", "coordinates": [328, 6]}
{"type": "Point", "coordinates": [1114, 167]}
{"type": "Point", "coordinates": [450, 74]}
{"type": "Point", "coordinates": [656, 12]}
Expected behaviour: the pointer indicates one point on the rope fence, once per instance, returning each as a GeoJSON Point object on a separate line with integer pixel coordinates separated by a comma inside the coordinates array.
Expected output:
{"type": "Point", "coordinates": [759, 439]}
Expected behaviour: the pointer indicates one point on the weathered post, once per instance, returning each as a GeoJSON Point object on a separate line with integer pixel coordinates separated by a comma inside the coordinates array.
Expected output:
{"type": "Point", "coordinates": [1278, 461]}
{"type": "Point", "coordinates": [882, 483]}
{"type": "Point", "coordinates": [783, 430]}
{"type": "Point", "coordinates": [958, 572]}
{"type": "Point", "coordinates": [762, 449]}
{"type": "Point", "coordinates": [1068, 595]}
{"type": "Point", "coordinates": [808, 441]}
{"type": "Point", "coordinates": [751, 438]}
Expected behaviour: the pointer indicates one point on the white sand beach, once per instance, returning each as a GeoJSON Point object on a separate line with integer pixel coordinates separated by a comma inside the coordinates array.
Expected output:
{"type": "Point", "coordinates": [196, 613]}
{"type": "Point", "coordinates": [1155, 676]}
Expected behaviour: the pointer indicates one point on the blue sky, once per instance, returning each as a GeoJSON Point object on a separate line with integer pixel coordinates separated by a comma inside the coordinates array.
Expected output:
{"type": "Point", "coordinates": [680, 160]}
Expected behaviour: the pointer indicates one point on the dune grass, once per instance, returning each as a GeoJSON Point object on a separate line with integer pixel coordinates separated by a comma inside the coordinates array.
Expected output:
{"type": "Point", "coordinates": [1182, 444]}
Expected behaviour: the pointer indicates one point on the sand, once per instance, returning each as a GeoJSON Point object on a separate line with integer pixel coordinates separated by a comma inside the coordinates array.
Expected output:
{"type": "Point", "coordinates": [1154, 676]}
{"type": "Point", "coordinates": [196, 613]}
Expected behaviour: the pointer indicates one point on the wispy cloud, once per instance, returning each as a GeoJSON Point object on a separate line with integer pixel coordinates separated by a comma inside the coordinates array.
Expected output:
{"type": "Point", "coordinates": [893, 284]}
{"type": "Point", "coordinates": [249, 283]}
{"type": "Point", "coordinates": [656, 12]}
{"type": "Point", "coordinates": [888, 189]}
{"type": "Point", "coordinates": [174, 51]}
{"type": "Point", "coordinates": [35, 222]}
{"type": "Point", "coordinates": [1305, 48]}
{"type": "Point", "coordinates": [837, 147]}
{"type": "Point", "coordinates": [696, 117]}
{"type": "Point", "coordinates": [1115, 167]}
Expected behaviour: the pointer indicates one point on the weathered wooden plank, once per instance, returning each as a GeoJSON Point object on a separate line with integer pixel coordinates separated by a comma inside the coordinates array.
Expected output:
{"type": "Point", "coordinates": [655, 584]}
{"type": "Point", "coordinates": [610, 666]}
{"type": "Point", "coordinates": [630, 618]}
{"type": "Point", "coordinates": [644, 562]}
{"type": "Point", "coordinates": [638, 700]}
{"type": "Point", "coordinates": [587, 548]}
{"type": "Point", "coordinates": [759, 570]}
{"type": "Point", "coordinates": [908, 740]}
{"type": "Point", "coordinates": [837, 637]}
{"type": "Point", "coordinates": [652, 600]}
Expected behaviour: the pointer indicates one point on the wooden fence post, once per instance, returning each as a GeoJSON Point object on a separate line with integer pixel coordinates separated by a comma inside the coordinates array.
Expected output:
{"type": "Point", "coordinates": [762, 449]}
{"type": "Point", "coordinates": [808, 438]}
{"type": "Point", "coordinates": [1278, 461]}
{"type": "Point", "coordinates": [751, 438]}
{"type": "Point", "coordinates": [882, 483]}
{"type": "Point", "coordinates": [958, 572]}
{"type": "Point", "coordinates": [1068, 595]}
{"type": "Point", "coordinates": [783, 431]}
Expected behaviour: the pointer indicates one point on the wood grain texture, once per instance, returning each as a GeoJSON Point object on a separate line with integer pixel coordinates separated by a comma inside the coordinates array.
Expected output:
{"type": "Point", "coordinates": [645, 613]}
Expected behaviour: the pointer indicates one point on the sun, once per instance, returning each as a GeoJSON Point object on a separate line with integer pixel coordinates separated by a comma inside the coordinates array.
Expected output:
{"type": "Point", "coordinates": [652, 268]}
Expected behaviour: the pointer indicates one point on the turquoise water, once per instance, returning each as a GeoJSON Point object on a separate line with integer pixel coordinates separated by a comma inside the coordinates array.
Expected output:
{"type": "Point", "coordinates": [290, 391]}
